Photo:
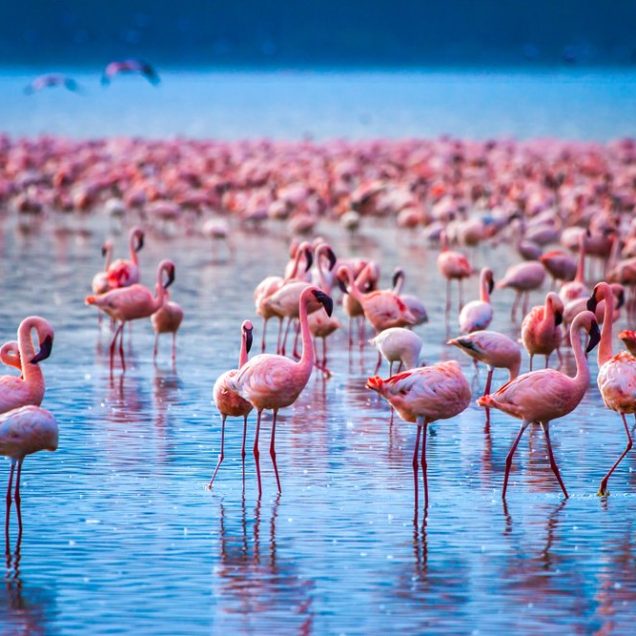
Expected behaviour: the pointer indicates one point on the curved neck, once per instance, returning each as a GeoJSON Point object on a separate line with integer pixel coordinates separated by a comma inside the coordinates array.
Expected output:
{"type": "Point", "coordinates": [306, 361]}
{"type": "Point", "coordinates": [30, 372]}
{"type": "Point", "coordinates": [297, 258]}
{"type": "Point", "coordinates": [580, 264]}
{"type": "Point", "coordinates": [605, 346]}
{"type": "Point", "coordinates": [582, 376]}
{"type": "Point", "coordinates": [484, 294]}
{"type": "Point", "coordinates": [243, 352]}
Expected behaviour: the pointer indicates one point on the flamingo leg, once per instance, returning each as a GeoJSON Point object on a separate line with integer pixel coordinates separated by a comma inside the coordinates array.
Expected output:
{"type": "Point", "coordinates": [284, 343]}
{"type": "Point", "coordinates": [244, 438]}
{"type": "Point", "coordinates": [415, 467]}
{"type": "Point", "coordinates": [295, 351]}
{"type": "Point", "coordinates": [113, 344]}
{"type": "Point", "coordinates": [511, 452]}
{"type": "Point", "coordinates": [350, 332]}
{"type": "Point", "coordinates": [121, 348]}
{"type": "Point", "coordinates": [324, 354]}
{"type": "Point", "coordinates": [257, 453]}
{"type": "Point", "coordinates": [547, 360]}
{"type": "Point", "coordinates": [553, 464]}
{"type": "Point", "coordinates": [448, 292]}
{"type": "Point", "coordinates": [424, 469]}
{"type": "Point", "coordinates": [391, 369]}
{"type": "Point", "coordinates": [18, 500]}
{"type": "Point", "coordinates": [174, 346]}
{"type": "Point", "coordinates": [526, 302]}
{"type": "Point", "coordinates": [218, 465]}
{"type": "Point", "coordinates": [491, 370]}
{"type": "Point", "coordinates": [280, 333]}
{"type": "Point", "coordinates": [515, 305]}
{"type": "Point", "coordinates": [155, 349]}
{"type": "Point", "coordinates": [8, 507]}
{"type": "Point", "coordinates": [460, 284]}
{"type": "Point", "coordinates": [263, 337]}
{"type": "Point", "coordinates": [531, 359]}
{"type": "Point", "coordinates": [603, 491]}
{"type": "Point", "coordinates": [272, 450]}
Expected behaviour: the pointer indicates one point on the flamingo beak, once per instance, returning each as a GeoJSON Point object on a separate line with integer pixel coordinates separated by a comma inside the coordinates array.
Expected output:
{"type": "Point", "coordinates": [103, 251]}
{"type": "Point", "coordinates": [558, 318]}
{"type": "Point", "coordinates": [621, 299]}
{"type": "Point", "coordinates": [397, 275]}
{"type": "Point", "coordinates": [309, 257]}
{"type": "Point", "coordinates": [45, 350]}
{"type": "Point", "coordinates": [249, 339]}
{"type": "Point", "coordinates": [341, 285]}
{"type": "Point", "coordinates": [592, 302]}
{"type": "Point", "coordinates": [595, 336]}
{"type": "Point", "coordinates": [170, 272]}
{"type": "Point", "coordinates": [140, 242]}
{"type": "Point", "coordinates": [332, 259]}
{"type": "Point", "coordinates": [325, 301]}
{"type": "Point", "coordinates": [491, 285]}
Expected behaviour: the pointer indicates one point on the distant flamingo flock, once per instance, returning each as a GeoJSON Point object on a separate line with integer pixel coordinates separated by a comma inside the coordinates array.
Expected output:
{"type": "Point", "coordinates": [565, 208]}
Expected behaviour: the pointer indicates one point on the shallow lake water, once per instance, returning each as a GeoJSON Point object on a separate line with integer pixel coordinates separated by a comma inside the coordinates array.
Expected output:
{"type": "Point", "coordinates": [121, 535]}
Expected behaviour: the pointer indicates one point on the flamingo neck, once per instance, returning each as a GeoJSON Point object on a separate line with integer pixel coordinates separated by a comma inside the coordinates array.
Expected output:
{"type": "Point", "coordinates": [484, 295]}
{"type": "Point", "coordinates": [243, 352]}
{"type": "Point", "coordinates": [580, 264]}
{"type": "Point", "coordinates": [31, 373]}
{"type": "Point", "coordinates": [353, 289]}
{"type": "Point", "coordinates": [582, 377]}
{"type": "Point", "coordinates": [321, 272]}
{"type": "Point", "coordinates": [605, 346]}
{"type": "Point", "coordinates": [133, 254]}
{"type": "Point", "coordinates": [399, 284]}
{"type": "Point", "coordinates": [306, 362]}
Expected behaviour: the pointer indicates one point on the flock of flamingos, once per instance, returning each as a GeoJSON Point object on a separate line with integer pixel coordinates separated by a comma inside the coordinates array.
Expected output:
{"type": "Point", "coordinates": [562, 205]}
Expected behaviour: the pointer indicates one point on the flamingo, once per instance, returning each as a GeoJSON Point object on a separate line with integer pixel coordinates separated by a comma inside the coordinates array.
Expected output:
{"type": "Point", "coordinates": [616, 374]}
{"type": "Point", "coordinates": [28, 389]}
{"type": "Point", "coordinates": [122, 272]}
{"type": "Point", "coordinates": [547, 394]}
{"type": "Point", "coordinates": [421, 396]}
{"type": "Point", "coordinates": [452, 266]}
{"type": "Point", "coordinates": [274, 382]}
{"type": "Point", "coordinates": [51, 80]}
{"type": "Point", "coordinates": [398, 345]}
{"type": "Point", "coordinates": [167, 319]}
{"type": "Point", "coordinates": [24, 431]}
{"type": "Point", "coordinates": [540, 330]}
{"type": "Point", "coordinates": [560, 265]}
{"type": "Point", "coordinates": [577, 288]}
{"type": "Point", "coordinates": [322, 326]}
{"type": "Point", "coordinates": [130, 66]}
{"type": "Point", "coordinates": [364, 279]}
{"type": "Point", "coordinates": [228, 402]}
{"type": "Point", "coordinates": [523, 278]}
{"type": "Point", "coordinates": [415, 305]}
{"type": "Point", "coordinates": [132, 303]}
{"type": "Point", "coordinates": [477, 314]}
{"type": "Point", "coordinates": [100, 283]}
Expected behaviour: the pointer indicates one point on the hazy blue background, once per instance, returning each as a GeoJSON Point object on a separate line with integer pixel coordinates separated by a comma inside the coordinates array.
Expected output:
{"type": "Point", "coordinates": [298, 33]}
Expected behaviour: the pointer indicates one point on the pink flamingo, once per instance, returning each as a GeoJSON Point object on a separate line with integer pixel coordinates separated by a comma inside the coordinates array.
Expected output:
{"type": "Point", "coordinates": [540, 331]}
{"type": "Point", "coordinates": [132, 303]}
{"type": "Point", "coordinates": [577, 288]}
{"type": "Point", "coordinates": [124, 273]}
{"type": "Point", "coordinates": [24, 431]}
{"type": "Point", "coordinates": [452, 266]}
{"type": "Point", "coordinates": [477, 314]}
{"type": "Point", "coordinates": [560, 265]}
{"type": "Point", "coordinates": [10, 355]}
{"type": "Point", "coordinates": [130, 66]}
{"type": "Point", "coordinates": [28, 389]}
{"type": "Point", "coordinates": [49, 81]}
{"type": "Point", "coordinates": [415, 305]}
{"type": "Point", "coordinates": [228, 402]}
{"type": "Point", "coordinates": [616, 374]}
{"type": "Point", "coordinates": [398, 344]}
{"type": "Point", "coordinates": [100, 283]}
{"type": "Point", "coordinates": [421, 396]}
{"type": "Point", "coordinates": [523, 278]}
{"type": "Point", "coordinates": [274, 382]}
{"type": "Point", "coordinates": [167, 319]}
{"type": "Point", "coordinates": [545, 395]}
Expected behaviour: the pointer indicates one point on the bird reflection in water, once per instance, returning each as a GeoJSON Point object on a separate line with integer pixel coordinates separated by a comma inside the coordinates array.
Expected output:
{"type": "Point", "coordinates": [253, 583]}
{"type": "Point", "coordinates": [166, 389]}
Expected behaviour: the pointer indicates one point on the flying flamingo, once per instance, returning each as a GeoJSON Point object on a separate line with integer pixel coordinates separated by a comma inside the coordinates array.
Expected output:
{"type": "Point", "coordinates": [523, 278]}
{"type": "Point", "coordinates": [274, 382]}
{"type": "Point", "coordinates": [130, 66]}
{"type": "Point", "coordinates": [477, 314]}
{"type": "Point", "coordinates": [424, 395]}
{"type": "Point", "coordinates": [167, 319]}
{"type": "Point", "coordinates": [51, 80]}
{"type": "Point", "coordinates": [398, 344]}
{"type": "Point", "coordinates": [540, 331]}
{"type": "Point", "coordinates": [616, 374]}
{"type": "Point", "coordinates": [545, 395]}
{"type": "Point", "coordinates": [123, 273]}
{"type": "Point", "coordinates": [228, 402]}
{"type": "Point", "coordinates": [28, 389]}
{"type": "Point", "coordinates": [24, 431]}
{"type": "Point", "coordinates": [131, 303]}
{"type": "Point", "coordinates": [452, 266]}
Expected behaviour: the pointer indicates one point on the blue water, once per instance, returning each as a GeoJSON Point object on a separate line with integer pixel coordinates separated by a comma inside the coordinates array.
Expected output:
{"type": "Point", "coordinates": [594, 104]}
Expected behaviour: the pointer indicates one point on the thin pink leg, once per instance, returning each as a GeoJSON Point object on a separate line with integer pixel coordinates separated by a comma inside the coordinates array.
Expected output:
{"type": "Point", "coordinates": [244, 437]}
{"type": "Point", "coordinates": [324, 354]}
{"type": "Point", "coordinates": [8, 507]}
{"type": "Point", "coordinates": [603, 491]}
{"type": "Point", "coordinates": [511, 453]}
{"type": "Point", "coordinates": [155, 349]}
{"type": "Point", "coordinates": [531, 358]}
{"type": "Point", "coordinates": [424, 469]}
{"type": "Point", "coordinates": [284, 343]}
{"type": "Point", "coordinates": [218, 465]}
{"type": "Point", "coordinates": [174, 346]}
{"type": "Point", "coordinates": [18, 501]}
{"type": "Point", "coordinates": [257, 453]}
{"type": "Point", "coordinates": [378, 364]}
{"type": "Point", "coordinates": [272, 450]}
{"type": "Point", "coordinates": [121, 348]}
{"type": "Point", "coordinates": [263, 337]}
{"type": "Point", "coordinates": [280, 333]}
{"type": "Point", "coordinates": [295, 352]}
{"type": "Point", "coordinates": [488, 381]}
{"type": "Point", "coordinates": [415, 466]}
{"type": "Point", "coordinates": [113, 344]}
{"type": "Point", "coordinates": [350, 333]}
{"type": "Point", "coordinates": [553, 464]}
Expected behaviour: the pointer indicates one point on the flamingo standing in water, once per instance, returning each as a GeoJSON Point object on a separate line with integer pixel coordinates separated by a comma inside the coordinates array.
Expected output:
{"type": "Point", "coordinates": [452, 266]}
{"type": "Point", "coordinates": [100, 283]}
{"type": "Point", "coordinates": [398, 345]}
{"type": "Point", "coordinates": [24, 431]}
{"type": "Point", "coordinates": [122, 272]}
{"type": "Point", "coordinates": [545, 395]}
{"type": "Point", "coordinates": [477, 314]}
{"type": "Point", "coordinates": [274, 382]}
{"type": "Point", "coordinates": [616, 374]}
{"type": "Point", "coordinates": [229, 402]}
{"type": "Point", "coordinates": [131, 303]}
{"type": "Point", "coordinates": [167, 319]}
{"type": "Point", "coordinates": [540, 331]}
{"type": "Point", "coordinates": [421, 396]}
{"type": "Point", "coordinates": [16, 392]}
{"type": "Point", "coordinates": [523, 278]}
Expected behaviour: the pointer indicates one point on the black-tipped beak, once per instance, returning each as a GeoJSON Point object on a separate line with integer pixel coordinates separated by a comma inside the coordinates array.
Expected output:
{"type": "Point", "coordinates": [332, 259]}
{"type": "Point", "coordinates": [325, 301]}
{"type": "Point", "coordinates": [170, 272]}
{"type": "Point", "coordinates": [592, 302]}
{"type": "Point", "coordinates": [491, 285]}
{"type": "Point", "coordinates": [595, 336]}
{"type": "Point", "coordinates": [558, 318]}
{"type": "Point", "coordinates": [341, 285]}
{"type": "Point", "coordinates": [397, 275]}
{"type": "Point", "coordinates": [309, 257]}
{"type": "Point", "coordinates": [103, 251]}
{"type": "Point", "coordinates": [621, 299]}
{"type": "Point", "coordinates": [249, 339]}
{"type": "Point", "coordinates": [45, 350]}
{"type": "Point", "coordinates": [140, 242]}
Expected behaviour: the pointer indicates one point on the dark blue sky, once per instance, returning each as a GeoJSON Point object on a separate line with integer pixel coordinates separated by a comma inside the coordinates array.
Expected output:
{"type": "Point", "coordinates": [298, 33]}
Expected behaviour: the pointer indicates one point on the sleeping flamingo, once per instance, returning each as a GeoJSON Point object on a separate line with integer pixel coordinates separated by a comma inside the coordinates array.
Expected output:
{"type": "Point", "coordinates": [28, 389]}
{"type": "Point", "coordinates": [228, 402]}
{"type": "Point", "coordinates": [24, 431]}
{"type": "Point", "coordinates": [477, 314]}
{"type": "Point", "coordinates": [131, 303]}
{"type": "Point", "coordinates": [167, 319]}
{"type": "Point", "coordinates": [421, 396]}
{"type": "Point", "coordinates": [122, 272]}
{"type": "Point", "coordinates": [616, 374]}
{"type": "Point", "coordinates": [545, 395]}
{"type": "Point", "coordinates": [540, 331]}
{"type": "Point", "coordinates": [452, 266]}
{"type": "Point", "coordinates": [274, 382]}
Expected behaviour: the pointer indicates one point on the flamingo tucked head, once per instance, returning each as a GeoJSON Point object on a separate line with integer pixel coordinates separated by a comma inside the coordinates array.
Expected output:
{"type": "Point", "coordinates": [107, 247]}
{"type": "Point", "coordinates": [10, 354]}
{"type": "Point", "coordinates": [595, 334]}
{"type": "Point", "coordinates": [556, 305]}
{"type": "Point", "coordinates": [599, 293]}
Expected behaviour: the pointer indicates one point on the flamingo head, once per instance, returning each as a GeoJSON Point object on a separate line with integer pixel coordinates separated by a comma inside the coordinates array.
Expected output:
{"type": "Point", "coordinates": [343, 277]}
{"type": "Point", "coordinates": [375, 383]}
{"type": "Point", "coordinates": [246, 329]}
{"type": "Point", "coordinates": [138, 235]}
{"type": "Point", "coordinates": [330, 254]}
{"type": "Point", "coordinates": [490, 279]}
{"type": "Point", "coordinates": [556, 305]}
{"type": "Point", "coordinates": [107, 247]}
{"type": "Point", "coordinates": [324, 299]}
{"type": "Point", "coordinates": [398, 275]}
{"type": "Point", "coordinates": [46, 346]}
{"type": "Point", "coordinates": [595, 336]}
{"type": "Point", "coordinates": [619, 293]}
{"type": "Point", "coordinates": [599, 293]}
{"type": "Point", "coordinates": [167, 267]}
